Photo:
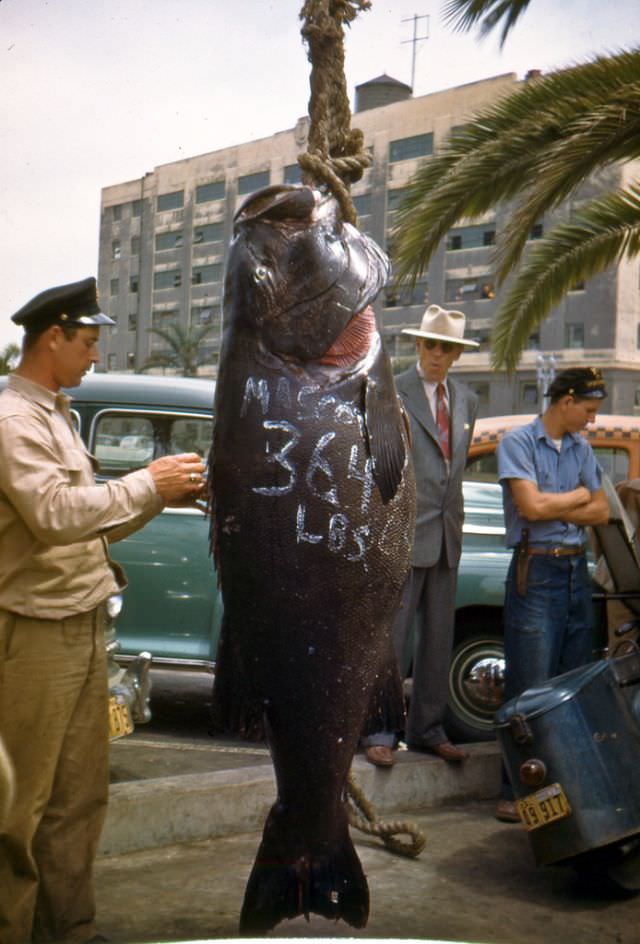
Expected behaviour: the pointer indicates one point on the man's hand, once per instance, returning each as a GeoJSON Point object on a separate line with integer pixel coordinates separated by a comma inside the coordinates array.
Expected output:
{"type": "Point", "coordinates": [178, 478]}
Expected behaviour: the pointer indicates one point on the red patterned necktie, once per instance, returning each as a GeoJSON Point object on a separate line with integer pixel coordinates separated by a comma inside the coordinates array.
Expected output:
{"type": "Point", "coordinates": [442, 419]}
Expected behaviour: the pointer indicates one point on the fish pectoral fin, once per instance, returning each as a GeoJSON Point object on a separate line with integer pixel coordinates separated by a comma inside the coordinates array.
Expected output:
{"type": "Point", "coordinates": [384, 429]}
{"type": "Point", "coordinates": [281, 885]}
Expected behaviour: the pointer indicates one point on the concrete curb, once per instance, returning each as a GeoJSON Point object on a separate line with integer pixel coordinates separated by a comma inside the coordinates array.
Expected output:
{"type": "Point", "coordinates": [149, 813]}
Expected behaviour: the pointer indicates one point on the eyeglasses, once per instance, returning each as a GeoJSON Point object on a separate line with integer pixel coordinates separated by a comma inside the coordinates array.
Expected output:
{"type": "Point", "coordinates": [447, 346]}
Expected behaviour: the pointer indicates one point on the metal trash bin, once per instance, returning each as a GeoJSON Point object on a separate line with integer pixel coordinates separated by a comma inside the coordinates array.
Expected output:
{"type": "Point", "coordinates": [572, 751]}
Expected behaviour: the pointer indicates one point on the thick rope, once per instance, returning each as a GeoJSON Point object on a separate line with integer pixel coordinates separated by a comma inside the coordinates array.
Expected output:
{"type": "Point", "coordinates": [335, 155]}
{"type": "Point", "coordinates": [362, 817]}
{"type": "Point", "coordinates": [336, 158]}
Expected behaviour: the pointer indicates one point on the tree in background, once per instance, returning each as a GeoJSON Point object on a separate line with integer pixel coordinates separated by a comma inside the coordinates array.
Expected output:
{"type": "Point", "coordinates": [9, 358]}
{"type": "Point", "coordinates": [532, 150]}
{"type": "Point", "coordinates": [183, 351]}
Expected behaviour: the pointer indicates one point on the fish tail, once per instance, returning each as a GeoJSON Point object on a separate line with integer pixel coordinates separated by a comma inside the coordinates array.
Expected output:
{"type": "Point", "coordinates": [330, 883]}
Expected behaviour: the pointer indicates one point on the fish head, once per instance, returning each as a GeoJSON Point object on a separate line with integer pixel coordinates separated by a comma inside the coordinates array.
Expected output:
{"type": "Point", "coordinates": [297, 273]}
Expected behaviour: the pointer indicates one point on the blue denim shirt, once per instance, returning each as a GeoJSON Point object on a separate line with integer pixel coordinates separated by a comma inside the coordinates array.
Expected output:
{"type": "Point", "coordinates": [528, 452]}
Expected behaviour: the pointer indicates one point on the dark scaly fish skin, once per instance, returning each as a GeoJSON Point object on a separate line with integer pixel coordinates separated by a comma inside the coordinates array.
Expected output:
{"type": "Point", "coordinates": [313, 518]}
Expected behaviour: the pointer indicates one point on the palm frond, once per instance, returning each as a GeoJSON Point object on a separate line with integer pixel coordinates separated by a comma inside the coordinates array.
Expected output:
{"type": "Point", "coordinates": [538, 144]}
{"type": "Point", "coordinates": [606, 230]}
{"type": "Point", "coordinates": [464, 14]}
{"type": "Point", "coordinates": [183, 347]}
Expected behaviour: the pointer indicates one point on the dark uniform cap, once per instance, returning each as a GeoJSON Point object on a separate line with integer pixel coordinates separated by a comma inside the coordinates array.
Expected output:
{"type": "Point", "coordinates": [583, 383]}
{"type": "Point", "coordinates": [73, 304]}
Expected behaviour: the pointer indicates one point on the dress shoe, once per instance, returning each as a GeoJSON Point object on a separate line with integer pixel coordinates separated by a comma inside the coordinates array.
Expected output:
{"type": "Point", "coordinates": [380, 754]}
{"type": "Point", "coordinates": [446, 750]}
{"type": "Point", "coordinates": [507, 811]}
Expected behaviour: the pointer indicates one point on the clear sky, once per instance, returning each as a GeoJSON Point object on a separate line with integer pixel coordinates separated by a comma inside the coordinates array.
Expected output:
{"type": "Point", "coordinates": [96, 93]}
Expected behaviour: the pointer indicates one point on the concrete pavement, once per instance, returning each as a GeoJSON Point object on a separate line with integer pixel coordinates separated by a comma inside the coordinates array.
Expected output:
{"type": "Point", "coordinates": [165, 792]}
{"type": "Point", "coordinates": [185, 822]}
{"type": "Point", "coordinates": [475, 882]}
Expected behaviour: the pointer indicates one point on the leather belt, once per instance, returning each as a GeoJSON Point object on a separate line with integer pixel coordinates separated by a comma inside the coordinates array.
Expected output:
{"type": "Point", "coordinates": [524, 551]}
{"type": "Point", "coordinates": [562, 550]}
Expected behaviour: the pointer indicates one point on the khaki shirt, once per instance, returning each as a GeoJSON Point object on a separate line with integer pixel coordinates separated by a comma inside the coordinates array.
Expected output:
{"type": "Point", "coordinates": [54, 519]}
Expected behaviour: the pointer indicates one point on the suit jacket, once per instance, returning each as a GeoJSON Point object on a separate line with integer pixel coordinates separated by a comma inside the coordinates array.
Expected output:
{"type": "Point", "coordinates": [439, 513]}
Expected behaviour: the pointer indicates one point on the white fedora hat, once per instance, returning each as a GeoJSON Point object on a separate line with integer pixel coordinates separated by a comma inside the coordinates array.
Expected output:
{"type": "Point", "coordinates": [442, 325]}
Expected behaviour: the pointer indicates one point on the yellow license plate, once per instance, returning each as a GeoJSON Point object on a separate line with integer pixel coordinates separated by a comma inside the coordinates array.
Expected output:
{"type": "Point", "coordinates": [120, 722]}
{"type": "Point", "coordinates": [544, 806]}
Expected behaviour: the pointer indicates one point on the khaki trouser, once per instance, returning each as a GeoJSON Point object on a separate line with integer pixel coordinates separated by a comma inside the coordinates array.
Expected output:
{"type": "Point", "coordinates": [54, 723]}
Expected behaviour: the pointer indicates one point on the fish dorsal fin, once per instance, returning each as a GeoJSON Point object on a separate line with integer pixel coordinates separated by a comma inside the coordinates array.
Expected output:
{"type": "Point", "coordinates": [384, 425]}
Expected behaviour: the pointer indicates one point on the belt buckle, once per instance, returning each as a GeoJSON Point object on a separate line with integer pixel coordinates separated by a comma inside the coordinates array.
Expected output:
{"type": "Point", "coordinates": [555, 552]}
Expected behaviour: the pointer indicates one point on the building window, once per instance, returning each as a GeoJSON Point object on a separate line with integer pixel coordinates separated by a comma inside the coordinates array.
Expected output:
{"type": "Point", "coordinates": [574, 334]}
{"type": "Point", "coordinates": [420, 145]}
{"type": "Point", "coordinates": [114, 286]}
{"type": "Point", "coordinates": [170, 278]}
{"type": "Point", "coordinates": [205, 274]}
{"type": "Point", "coordinates": [133, 322]}
{"type": "Point", "coordinates": [293, 174]}
{"type": "Point", "coordinates": [111, 362]}
{"type": "Point", "coordinates": [529, 394]}
{"type": "Point", "coordinates": [537, 231]}
{"type": "Point", "coordinates": [135, 245]}
{"type": "Point", "coordinates": [202, 316]}
{"type": "Point", "coordinates": [171, 240]}
{"type": "Point", "coordinates": [462, 290]}
{"type": "Point", "coordinates": [131, 360]}
{"type": "Point", "coordinates": [116, 249]}
{"type": "Point", "coordinates": [170, 201]}
{"type": "Point", "coordinates": [117, 213]}
{"type": "Point", "coordinates": [210, 233]}
{"type": "Point", "coordinates": [533, 342]}
{"type": "Point", "coordinates": [471, 237]}
{"type": "Point", "coordinates": [160, 319]}
{"type": "Point", "coordinates": [133, 284]}
{"type": "Point", "coordinates": [362, 204]}
{"type": "Point", "coordinates": [481, 390]}
{"type": "Point", "coordinates": [395, 198]}
{"type": "Point", "coordinates": [407, 295]}
{"type": "Point", "coordinates": [136, 208]}
{"type": "Point", "coordinates": [251, 182]}
{"type": "Point", "coordinates": [577, 287]}
{"type": "Point", "coordinates": [207, 192]}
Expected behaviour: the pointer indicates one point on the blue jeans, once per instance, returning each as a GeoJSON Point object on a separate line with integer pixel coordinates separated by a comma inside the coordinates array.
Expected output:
{"type": "Point", "coordinates": [548, 631]}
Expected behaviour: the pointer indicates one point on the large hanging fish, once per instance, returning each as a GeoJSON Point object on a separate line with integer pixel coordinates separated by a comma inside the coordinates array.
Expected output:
{"type": "Point", "coordinates": [313, 519]}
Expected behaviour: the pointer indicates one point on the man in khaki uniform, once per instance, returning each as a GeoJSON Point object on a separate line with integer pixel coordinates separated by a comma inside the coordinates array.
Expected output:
{"type": "Point", "coordinates": [55, 576]}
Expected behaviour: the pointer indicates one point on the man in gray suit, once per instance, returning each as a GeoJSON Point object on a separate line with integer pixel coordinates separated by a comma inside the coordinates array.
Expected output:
{"type": "Point", "coordinates": [442, 413]}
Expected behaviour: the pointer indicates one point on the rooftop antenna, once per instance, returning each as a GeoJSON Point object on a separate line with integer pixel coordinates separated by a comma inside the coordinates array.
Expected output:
{"type": "Point", "coordinates": [416, 39]}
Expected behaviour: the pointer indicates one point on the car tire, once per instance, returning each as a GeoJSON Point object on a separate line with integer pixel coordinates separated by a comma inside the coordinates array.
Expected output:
{"type": "Point", "coordinates": [476, 682]}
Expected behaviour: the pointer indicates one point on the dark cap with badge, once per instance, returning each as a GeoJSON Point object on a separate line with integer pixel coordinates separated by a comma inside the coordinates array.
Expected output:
{"type": "Point", "coordinates": [583, 383]}
{"type": "Point", "coordinates": [75, 304]}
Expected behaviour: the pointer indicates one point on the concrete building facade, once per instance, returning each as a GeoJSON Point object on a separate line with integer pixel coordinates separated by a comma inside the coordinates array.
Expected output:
{"type": "Point", "coordinates": [164, 237]}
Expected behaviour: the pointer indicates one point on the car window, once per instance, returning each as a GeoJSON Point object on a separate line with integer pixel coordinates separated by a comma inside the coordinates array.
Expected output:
{"type": "Point", "coordinates": [482, 468]}
{"type": "Point", "coordinates": [123, 441]}
{"type": "Point", "coordinates": [615, 462]}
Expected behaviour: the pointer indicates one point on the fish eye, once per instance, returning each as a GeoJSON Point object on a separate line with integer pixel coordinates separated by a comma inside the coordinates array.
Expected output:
{"type": "Point", "coordinates": [260, 274]}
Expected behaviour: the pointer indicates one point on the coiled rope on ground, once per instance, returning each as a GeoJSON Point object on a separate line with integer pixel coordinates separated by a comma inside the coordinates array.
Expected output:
{"type": "Point", "coordinates": [362, 816]}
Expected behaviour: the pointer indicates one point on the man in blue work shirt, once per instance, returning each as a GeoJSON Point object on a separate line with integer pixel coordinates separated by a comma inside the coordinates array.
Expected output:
{"type": "Point", "coordinates": [552, 489]}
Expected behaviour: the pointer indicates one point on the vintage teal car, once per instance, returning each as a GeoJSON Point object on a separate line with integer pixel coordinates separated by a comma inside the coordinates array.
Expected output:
{"type": "Point", "coordinates": [172, 606]}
